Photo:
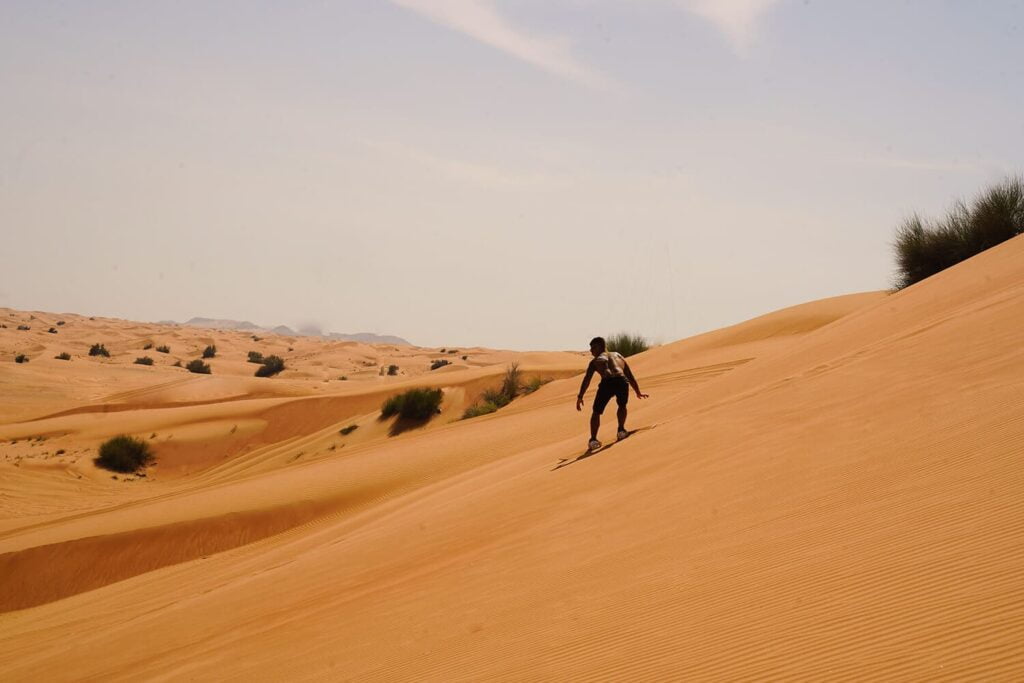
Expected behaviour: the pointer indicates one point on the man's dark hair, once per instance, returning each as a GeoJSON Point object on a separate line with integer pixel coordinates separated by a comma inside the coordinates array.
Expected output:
{"type": "Point", "coordinates": [597, 341]}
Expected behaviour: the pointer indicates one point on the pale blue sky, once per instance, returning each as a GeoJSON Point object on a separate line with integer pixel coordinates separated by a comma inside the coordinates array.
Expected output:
{"type": "Point", "coordinates": [520, 174]}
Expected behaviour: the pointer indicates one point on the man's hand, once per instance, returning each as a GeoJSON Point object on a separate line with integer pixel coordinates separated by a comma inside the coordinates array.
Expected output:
{"type": "Point", "coordinates": [579, 403]}
{"type": "Point", "coordinates": [639, 395]}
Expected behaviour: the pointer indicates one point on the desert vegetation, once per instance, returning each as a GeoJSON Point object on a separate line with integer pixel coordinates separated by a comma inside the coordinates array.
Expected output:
{"type": "Point", "coordinates": [499, 397]}
{"type": "Point", "coordinates": [99, 350]}
{"type": "Point", "coordinates": [439, 363]}
{"type": "Point", "coordinates": [163, 349]}
{"type": "Point", "coordinates": [24, 328]}
{"type": "Point", "coordinates": [270, 367]}
{"type": "Point", "coordinates": [627, 344]}
{"type": "Point", "coordinates": [148, 346]}
{"type": "Point", "coordinates": [52, 330]}
{"type": "Point", "coordinates": [392, 370]}
{"type": "Point", "coordinates": [21, 358]}
{"type": "Point", "coordinates": [255, 357]}
{"type": "Point", "coordinates": [345, 431]}
{"type": "Point", "coordinates": [124, 453]}
{"type": "Point", "coordinates": [63, 355]}
{"type": "Point", "coordinates": [414, 404]}
{"type": "Point", "coordinates": [924, 248]}
{"type": "Point", "coordinates": [144, 360]}
{"type": "Point", "coordinates": [198, 366]}
{"type": "Point", "coordinates": [210, 351]}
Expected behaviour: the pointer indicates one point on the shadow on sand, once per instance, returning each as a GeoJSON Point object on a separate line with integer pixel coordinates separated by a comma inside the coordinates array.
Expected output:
{"type": "Point", "coordinates": [564, 462]}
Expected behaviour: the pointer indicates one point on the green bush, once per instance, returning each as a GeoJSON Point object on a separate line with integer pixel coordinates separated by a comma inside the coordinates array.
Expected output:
{"type": "Point", "coordinates": [478, 409]}
{"type": "Point", "coordinates": [24, 328]}
{"type": "Point", "coordinates": [392, 370]}
{"type": "Point", "coordinates": [414, 404]}
{"type": "Point", "coordinates": [534, 384]}
{"type": "Point", "coordinates": [60, 322]}
{"type": "Point", "coordinates": [198, 366]}
{"type": "Point", "coordinates": [271, 366]}
{"type": "Point", "coordinates": [148, 346]}
{"type": "Point", "coordinates": [924, 249]}
{"type": "Point", "coordinates": [52, 330]}
{"type": "Point", "coordinates": [99, 350]}
{"type": "Point", "coordinates": [627, 344]}
{"type": "Point", "coordinates": [255, 357]}
{"type": "Point", "coordinates": [345, 431]}
{"type": "Point", "coordinates": [163, 349]}
{"type": "Point", "coordinates": [124, 454]}
{"type": "Point", "coordinates": [210, 351]}
{"type": "Point", "coordinates": [63, 355]}
{"type": "Point", "coordinates": [21, 358]}
{"type": "Point", "coordinates": [439, 363]}
{"type": "Point", "coordinates": [145, 360]}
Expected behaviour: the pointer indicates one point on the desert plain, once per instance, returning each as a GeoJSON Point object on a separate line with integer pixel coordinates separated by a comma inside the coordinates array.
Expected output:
{"type": "Point", "coordinates": [832, 491]}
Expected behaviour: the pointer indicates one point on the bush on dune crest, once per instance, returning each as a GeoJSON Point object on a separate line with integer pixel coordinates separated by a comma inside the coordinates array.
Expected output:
{"type": "Point", "coordinates": [627, 344]}
{"type": "Point", "coordinates": [511, 387]}
{"type": "Point", "coordinates": [924, 249]}
{"type": "Point", "coordinates": [124, 454]}
{"type": "Point", "coordinates": [270, 367]}
{"type": "Point", "coordinates": [414, 404]}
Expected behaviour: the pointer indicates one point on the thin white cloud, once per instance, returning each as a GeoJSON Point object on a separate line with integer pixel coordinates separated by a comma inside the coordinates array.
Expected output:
{"type": "Point", "coordinates": [738, 20]}
{"type": "Point", "coordinates": [481, 21]}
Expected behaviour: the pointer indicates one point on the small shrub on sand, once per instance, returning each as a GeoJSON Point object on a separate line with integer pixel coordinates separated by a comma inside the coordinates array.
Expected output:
{"type": "Point", "coordinates": [627, 344]}
{"type": "Point", "coordinates": [478, 409]}
{"type": "Point", "coordinates": [148, 346]}
{"type": "Point", "coordinates": [414, 404]}
{"type": "Point", "coordinates": [99, 350]}
{"type": "Point", "coordinates": [345, 431]}
{"type": "Point", "coordinates": [163, 349]}
{"type": "Point", "coordinates": [255, 357]}
{"type": "Point", "coordinates": [210, 351]}
{"type": "Point", "coordinates": [24, 328]}
{"type": "Point", "coordinates": [177, 364]}
{"type": "Point", "coordinates": [63, 355]}
{"type": "Point", "coordinates": [60, 322]}
{"type": "Point", "coordinates": [924, 249]}
{"type": "Point", "coordinates": [465, 358]}
{"type": "Point", "coordinates": [198, 366]}
{"type": "Point", "coordinates": [392, 370]}
{"type": "Point", "coordinates": [124, 454]}
{"type": "Point", "coordinates": [145, 360]}
{"type": "Point", "coordinates": [439, 363]}
{"type": "Point", "coordinates": [271, 366]}
{"type": "Point", "coordinates": [52, 330]}
{"type": "Point", "coordinates": [534, 384]}
{"type": "Point", "coordinates": [21, 358]}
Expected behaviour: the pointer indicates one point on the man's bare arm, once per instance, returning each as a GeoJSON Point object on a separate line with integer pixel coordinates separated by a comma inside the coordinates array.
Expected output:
{"type": "Point", "coordinates": [583, 387]}
{"type": "Point", "coordinates": [632, 380]}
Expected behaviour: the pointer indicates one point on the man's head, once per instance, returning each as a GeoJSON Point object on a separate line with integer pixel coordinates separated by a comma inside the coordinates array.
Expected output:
{"type": "Point", "coordinates": [597, 346]}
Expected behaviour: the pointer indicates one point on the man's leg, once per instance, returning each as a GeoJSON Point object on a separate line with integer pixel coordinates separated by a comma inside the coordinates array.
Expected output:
{"type": "Point", "coordinates": [621, 414]}
{"type": "Point", "coordinates": [595, 424]}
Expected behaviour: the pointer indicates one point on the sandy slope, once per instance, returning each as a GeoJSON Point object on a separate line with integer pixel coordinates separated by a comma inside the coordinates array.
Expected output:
{"type": "Point", "coordinates": [830, 491]}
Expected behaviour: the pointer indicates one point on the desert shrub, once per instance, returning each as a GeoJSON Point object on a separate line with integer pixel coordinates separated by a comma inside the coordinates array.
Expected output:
{"type": "Point", "coordinates": [627, 344]}
{"type": "Point", "coordinates": [177, 364]}
{"type": "Point", "coordinates": [414, 404]}
{"type": "Point", "coordinates": [271, 366]}
{"type": "Point", "coordinates": [99, 350]}
{"type": "Point", "coordinates": [63, 355]}
{"type": "Point", "coordinates": [924, 249]}
{"type": "Point", "coordinates": [465, 358]}
{"type": "Point", "coordinates": [163, 349]}
{"type": "Point", "coordinates": [60, 322]}
{"type": "Point", "coordinates": [210, 351]}
{"type": "Point", "coordinates": [148, 346]}
{"type": "Point", "coordinates": [345, 431]}
{"type": "Point", "coordinates": [444, 350]}
{"type": "Point", "coordinates": [52, 330]}
{"type": "Point", "coordinates": [124, 454]}
{"type": "Point", "coordinates": [439, 363]}
{"type": "Point", "coordinates": [478, 409]}
{"type": "Point", "coordinates": [534, 384]}
{"type": "Point", "coordinates": [343, 378]}
{"type": "Point", "coordinates": [21, 358]}
{"type": "Point", "coordinates": [198, 366]}
{"type": "Point", "coordinates": [145, 360]}
{"type": "Point", "coordinates": [255, 357]}
{"type": "Point", "coordinates": [392, 370]}
{"type": "Point", "coordinates": [24, 327]}
{"type": "Point", "coordinates": [512, 382]}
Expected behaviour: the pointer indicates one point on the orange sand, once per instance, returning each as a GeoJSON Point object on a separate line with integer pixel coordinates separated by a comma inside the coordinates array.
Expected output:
{"type": "Point", "coordinates": [831, 491]}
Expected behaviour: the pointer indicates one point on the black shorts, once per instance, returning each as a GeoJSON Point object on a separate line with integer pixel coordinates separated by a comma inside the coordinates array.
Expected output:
{"type": "Point", "coordinates": [613, 386]}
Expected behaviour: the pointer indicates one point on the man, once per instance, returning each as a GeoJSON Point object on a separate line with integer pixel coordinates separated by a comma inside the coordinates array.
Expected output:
{"type": "Point", "coordinates": [616, 378]}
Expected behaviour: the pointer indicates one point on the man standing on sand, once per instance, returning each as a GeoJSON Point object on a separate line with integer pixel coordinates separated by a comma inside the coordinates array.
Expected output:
{"type": "Point", "coordinates": [615, 374]}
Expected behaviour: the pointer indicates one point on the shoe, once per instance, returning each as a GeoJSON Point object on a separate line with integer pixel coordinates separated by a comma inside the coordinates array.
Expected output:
{"type": "Point", "coordinates": [593, 445]}
{"type": "Point", "coordinates": [622, 434]}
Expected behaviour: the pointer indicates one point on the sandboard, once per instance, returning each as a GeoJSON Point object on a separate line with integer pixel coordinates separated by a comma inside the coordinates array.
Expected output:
{"type": "Point", "coordinates": [562, 462]}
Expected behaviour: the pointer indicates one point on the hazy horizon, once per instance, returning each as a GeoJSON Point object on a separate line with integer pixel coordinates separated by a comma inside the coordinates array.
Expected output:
{"type": "Point", "coordinates": [505, 174]}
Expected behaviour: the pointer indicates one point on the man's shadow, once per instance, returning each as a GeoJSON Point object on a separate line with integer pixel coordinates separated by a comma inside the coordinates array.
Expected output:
{"type": "Point", "coordinates": [565, 462]}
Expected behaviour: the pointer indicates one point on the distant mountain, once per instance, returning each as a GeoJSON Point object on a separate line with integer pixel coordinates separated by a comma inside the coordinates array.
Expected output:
{"type": "Point", "coordinates": [222, 324]}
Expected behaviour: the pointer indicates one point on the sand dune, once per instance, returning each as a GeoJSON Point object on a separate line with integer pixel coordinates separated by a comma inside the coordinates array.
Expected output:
{"type": "Point", "coordinates": [831, 491]}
